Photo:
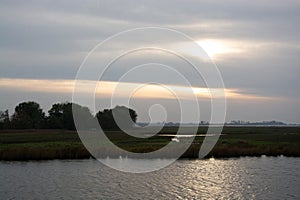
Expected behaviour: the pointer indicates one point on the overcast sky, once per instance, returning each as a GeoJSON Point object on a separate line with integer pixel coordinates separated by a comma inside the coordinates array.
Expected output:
{"type": "Point", "coordinates": [255, 44]}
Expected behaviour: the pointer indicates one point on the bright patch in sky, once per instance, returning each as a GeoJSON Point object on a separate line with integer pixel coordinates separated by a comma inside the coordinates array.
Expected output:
{"type": "Point", "coordinates": [215, 47]}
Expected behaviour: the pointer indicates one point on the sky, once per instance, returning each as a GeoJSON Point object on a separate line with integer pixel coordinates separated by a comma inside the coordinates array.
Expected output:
{"type": "Point", "coordinates": [254, 44]}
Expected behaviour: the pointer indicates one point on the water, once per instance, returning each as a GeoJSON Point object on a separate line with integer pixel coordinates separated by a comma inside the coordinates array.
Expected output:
{"type": "Point", "coordinates": [243, 178]}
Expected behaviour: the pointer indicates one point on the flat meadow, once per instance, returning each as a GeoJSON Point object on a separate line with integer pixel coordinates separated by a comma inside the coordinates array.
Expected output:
{"type": "Point", "coordinates": [47, 144]}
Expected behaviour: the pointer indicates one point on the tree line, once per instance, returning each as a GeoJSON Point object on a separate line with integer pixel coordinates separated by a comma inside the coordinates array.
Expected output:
{"type": "Point", "coordinates": [29, 115]}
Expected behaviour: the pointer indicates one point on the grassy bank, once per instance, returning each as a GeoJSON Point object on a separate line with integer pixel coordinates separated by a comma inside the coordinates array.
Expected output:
{"type": "Point", "coordinates": [235, 141]}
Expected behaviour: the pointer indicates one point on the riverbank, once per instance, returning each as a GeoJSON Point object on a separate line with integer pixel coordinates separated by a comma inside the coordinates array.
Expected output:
{"type": "Point", "coordinates": [235, 142]}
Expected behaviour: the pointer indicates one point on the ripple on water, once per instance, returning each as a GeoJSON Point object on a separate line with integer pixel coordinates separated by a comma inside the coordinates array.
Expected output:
{"type": "Point", "coordinates": [243, 178]}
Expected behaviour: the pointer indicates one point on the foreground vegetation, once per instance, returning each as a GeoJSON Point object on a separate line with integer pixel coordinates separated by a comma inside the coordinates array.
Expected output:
{"type": "Point", "coordinates": [235, 142]}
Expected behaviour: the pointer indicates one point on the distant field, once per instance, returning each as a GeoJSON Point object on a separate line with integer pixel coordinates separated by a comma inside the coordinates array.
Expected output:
{"type": "Point", "coordinates": [235, 141]}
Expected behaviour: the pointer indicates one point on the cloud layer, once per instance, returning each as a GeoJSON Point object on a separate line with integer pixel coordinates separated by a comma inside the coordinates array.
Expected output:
{"type": "Point", "coordinates": [256, 45]}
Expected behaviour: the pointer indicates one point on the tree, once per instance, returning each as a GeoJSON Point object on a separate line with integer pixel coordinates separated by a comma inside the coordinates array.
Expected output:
{"type": "Point", "coordinates": [28, 115]}
{"type": "Point", "coordinates": [61, 116]}
{"type": "Point", "coordinates": [116, 118]}
{"type": "Point", "coordinates": [4, 120]}
{"type": "Point", "coordinates": [105, 119]}
{"type": "Point", "coordinates": [55, 118]}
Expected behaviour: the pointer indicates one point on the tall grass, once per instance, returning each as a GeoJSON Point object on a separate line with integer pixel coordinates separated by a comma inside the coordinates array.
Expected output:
{"type": "Point", "coordinates": [236, 141]}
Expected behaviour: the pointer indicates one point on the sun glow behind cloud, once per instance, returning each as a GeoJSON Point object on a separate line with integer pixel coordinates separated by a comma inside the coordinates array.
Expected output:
{"type": "Point", "coordinates": [215, 47]}
{"type": "Point", "coordinates": [136, 90]}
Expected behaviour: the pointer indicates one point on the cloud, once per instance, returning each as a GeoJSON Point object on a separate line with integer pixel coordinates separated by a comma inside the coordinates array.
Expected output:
{"type": "Point", "coordinates": [255, 44]}
{"type": "Point", "coordinates": [123, 89]}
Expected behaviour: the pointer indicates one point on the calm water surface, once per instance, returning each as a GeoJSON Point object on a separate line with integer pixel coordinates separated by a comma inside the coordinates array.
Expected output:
{"type": "Point", "coordinates": [243, 178]}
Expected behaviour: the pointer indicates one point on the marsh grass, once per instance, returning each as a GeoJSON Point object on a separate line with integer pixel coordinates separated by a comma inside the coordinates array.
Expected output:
{"type": "Point", "coordinates": [236, 141]}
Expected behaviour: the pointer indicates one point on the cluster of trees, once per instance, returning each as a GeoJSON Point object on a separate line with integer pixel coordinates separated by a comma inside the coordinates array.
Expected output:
{"type": "Point", "coordinates": [108, 118]}
{"type": "Point", "coordinates": [4, 120]}
{"type": "Point", "coordinates": [241, 122]}
{"type": "Point", "coordinates": [29, 115]}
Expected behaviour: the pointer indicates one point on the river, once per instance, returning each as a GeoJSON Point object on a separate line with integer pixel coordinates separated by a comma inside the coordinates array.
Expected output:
{"type": "Point", "coordinates": [240, 178]}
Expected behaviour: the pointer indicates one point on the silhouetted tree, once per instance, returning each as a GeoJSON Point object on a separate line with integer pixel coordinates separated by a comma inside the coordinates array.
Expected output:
{"type": "Point", "coordinates": [4, 120]}
{"type": "Point", "coordinates": [55, 118]}
{"type": "Point", "coordinates": [107, 121]}
{"type": "Point", "coordinates": [61, 116]}
{"type": "Point", "coordinates": [28, 115]}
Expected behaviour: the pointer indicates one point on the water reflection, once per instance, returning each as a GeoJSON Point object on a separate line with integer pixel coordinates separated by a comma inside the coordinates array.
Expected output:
{"type": "Point", "coordinates": [243, 178]}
